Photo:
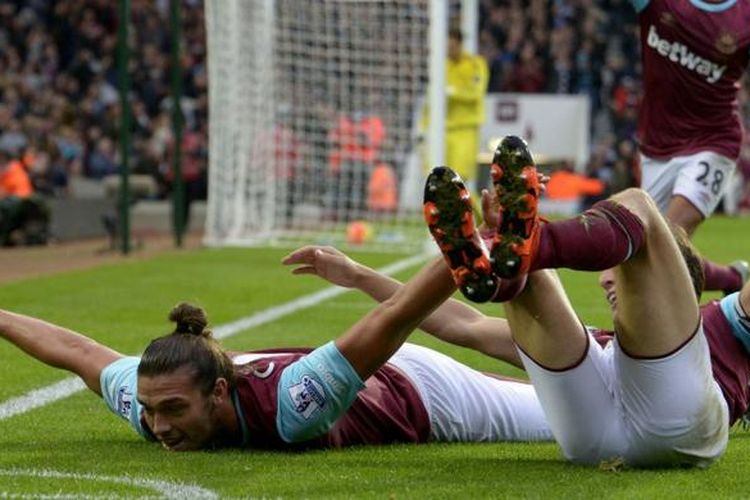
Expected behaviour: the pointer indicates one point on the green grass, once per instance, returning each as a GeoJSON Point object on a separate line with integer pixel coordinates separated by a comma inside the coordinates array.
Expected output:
{"type": "Point", "coordinates": [125, 305]}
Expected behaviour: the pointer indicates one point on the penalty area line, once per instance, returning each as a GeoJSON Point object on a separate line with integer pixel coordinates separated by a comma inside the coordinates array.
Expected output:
{"type": "Point", "coordinates": [69, 386]}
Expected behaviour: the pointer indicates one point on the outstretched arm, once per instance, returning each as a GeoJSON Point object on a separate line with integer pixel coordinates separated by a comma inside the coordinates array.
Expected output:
{"type": "Point", "coordinates": [454, 322]}
{"type": "Point", "coordinates": [58, 346]}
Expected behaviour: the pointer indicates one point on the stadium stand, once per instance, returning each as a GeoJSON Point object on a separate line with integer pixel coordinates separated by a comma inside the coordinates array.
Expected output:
{"type": "Point", "coordinates": [59, 104]}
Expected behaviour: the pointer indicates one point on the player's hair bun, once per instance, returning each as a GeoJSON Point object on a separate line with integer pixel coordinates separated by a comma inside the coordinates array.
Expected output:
{"type": "Point", "coordinates": [189, 319]}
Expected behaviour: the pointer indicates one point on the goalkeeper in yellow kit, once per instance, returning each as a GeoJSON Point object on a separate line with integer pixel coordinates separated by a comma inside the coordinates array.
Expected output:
{"type": "Point", "coordinates": [466, 80]}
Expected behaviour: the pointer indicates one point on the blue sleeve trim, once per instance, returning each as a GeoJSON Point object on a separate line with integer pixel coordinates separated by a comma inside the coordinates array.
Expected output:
{"type": "Point", "coordinates": [639, 5]}
{"type": "Point", "coordinates": [729, 306]}
{"type": "Point", "coordinates": [119, 384]}
{"type": "Point", "coordinates": [314, 392]}
{"type": "Point", "coordinates": [713, 7]}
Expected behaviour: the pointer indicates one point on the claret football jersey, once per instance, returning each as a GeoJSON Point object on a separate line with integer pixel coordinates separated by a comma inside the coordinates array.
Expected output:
{"type": "Point", "coordinates": [694, 53]}
{"type": "Point", "coordinates": [386, 408]}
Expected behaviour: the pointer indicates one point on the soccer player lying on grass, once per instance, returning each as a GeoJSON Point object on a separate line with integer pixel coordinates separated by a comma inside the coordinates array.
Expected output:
{"type": "Point", "coordinates": [725, 323]}
{"type": "Point", "coordinates": [650, 397]}
{"type": "Point", "coordinates": [367, 387]}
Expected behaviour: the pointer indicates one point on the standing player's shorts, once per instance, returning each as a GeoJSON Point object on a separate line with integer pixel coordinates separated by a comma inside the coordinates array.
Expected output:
{"type": "Point", "coordinates": [701, 178]}
{"type": "Point", "coordinates": [659, 412]}
{"type": "Point", "coordinates": [467, 405]}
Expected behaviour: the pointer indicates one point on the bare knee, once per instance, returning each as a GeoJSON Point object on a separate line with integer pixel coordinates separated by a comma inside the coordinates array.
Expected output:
{"type": "Point", "coordinates": [640, 203]}
{"type": "Point", "coordinates": [684, 214]}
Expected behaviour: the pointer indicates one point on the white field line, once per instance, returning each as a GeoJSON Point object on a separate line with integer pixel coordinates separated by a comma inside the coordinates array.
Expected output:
{"type": "Point", "coordinates": [69, 386]}
{"type": "Point", "coordinates": [167, 489]}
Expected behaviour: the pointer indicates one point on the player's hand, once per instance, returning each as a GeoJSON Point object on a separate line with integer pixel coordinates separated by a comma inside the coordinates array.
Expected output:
{"type": "Point", "coordinates": [490, 212]}
{"type": "Point", "coordinates": [326, 262]}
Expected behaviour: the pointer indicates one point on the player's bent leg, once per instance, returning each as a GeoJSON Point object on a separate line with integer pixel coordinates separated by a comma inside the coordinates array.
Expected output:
{"type": "Point", "coordinates": [581, 407]}
{"type": "Point", "coordinates": [699, 182]}
{"type": "Point", "coordinates": [657, 307]}
{"type": "Point", "coordinates": [466, 405]}
{"type": "Point", "coordinates": [544, 324]}
{"type": "Point", "coordinates": [675, 411]}
{"type": "Point", "coordinates": [702, 180]}
{"type": "Point", "coordinates": [683, 213]}
{"type": "Point", "coordinates": [726, 278]}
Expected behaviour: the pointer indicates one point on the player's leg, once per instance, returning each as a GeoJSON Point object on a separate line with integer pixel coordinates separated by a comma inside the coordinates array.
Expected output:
{"type": "Point", "coordinates": [466, 405]}
{"type": "Point", "coordinates": [687, 190]}
{"type": "Point", "coordinates": [571, 373]}
{"type": "Point", "coordinates": [662, 360]}
{"type": "Point", "coordinates": [601, 237]}
{"type": "Point", "coordinates": [657, 308]}
{"type": "Point", "coordinates": [699, 184]}
{"type": "Point", "coordinates": [726, 278]}
{"type": "Point", "coordinates": [683, 213]}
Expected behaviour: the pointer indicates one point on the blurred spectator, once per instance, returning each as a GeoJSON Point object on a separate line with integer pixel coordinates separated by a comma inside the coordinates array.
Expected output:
{"type": "Point", "coordinates": [567, 191]}
{"type": "Point", "coordinates": [382, 190]}
{"type": "Point", "coordinates": [23, 218]}
{"type": "Point", "coordinates": [102, 161]}
{"type": "Point", "coordinates": [59, 99]}
{"type": "Point", "coordinates": [14, 180]}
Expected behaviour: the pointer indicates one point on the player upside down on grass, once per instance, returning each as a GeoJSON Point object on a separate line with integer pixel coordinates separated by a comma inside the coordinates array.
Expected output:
{"type": "Point", "coordinates": [367, 387]}
{"type": "Point", "coordinates": [665, 390]}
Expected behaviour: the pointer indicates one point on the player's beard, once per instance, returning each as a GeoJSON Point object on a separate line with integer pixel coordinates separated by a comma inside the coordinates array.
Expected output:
{"type": "Point", "coordinates": [218, 437]}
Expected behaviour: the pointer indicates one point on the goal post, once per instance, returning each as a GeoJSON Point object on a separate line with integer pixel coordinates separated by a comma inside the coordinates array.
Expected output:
{"type": "Point", "coordinates": [314, 126]}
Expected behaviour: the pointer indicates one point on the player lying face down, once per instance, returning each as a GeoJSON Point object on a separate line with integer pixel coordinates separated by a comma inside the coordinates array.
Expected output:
{"type": "Point", "coordinates": [367, 387]}
{"type": "Point", "coordinates": [195, 395]}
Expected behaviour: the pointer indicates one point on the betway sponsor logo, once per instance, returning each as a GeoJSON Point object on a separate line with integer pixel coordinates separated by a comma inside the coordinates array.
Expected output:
{"type": "Point", "coordinates": [679, 53]}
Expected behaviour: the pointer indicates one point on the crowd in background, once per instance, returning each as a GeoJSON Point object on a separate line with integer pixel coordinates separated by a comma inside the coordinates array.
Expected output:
{"type": "Point", "coordinates": [59, 102]}
{"type": "Point", "coordinates": [60, 109]}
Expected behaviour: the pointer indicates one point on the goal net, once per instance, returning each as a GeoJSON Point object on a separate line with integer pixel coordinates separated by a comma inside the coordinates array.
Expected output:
{"type": "Point", "coordinates": [314, 111]}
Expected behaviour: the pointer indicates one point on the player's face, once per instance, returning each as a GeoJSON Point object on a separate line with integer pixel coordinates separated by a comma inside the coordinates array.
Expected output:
{"type": "Point", "coordinates": [607, 282]}
{"type": "Point", "coordinates": [181, 417]}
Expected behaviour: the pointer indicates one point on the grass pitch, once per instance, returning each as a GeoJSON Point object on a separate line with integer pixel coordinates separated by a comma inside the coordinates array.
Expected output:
{"type": "Point", "coordinates": [76, 448]}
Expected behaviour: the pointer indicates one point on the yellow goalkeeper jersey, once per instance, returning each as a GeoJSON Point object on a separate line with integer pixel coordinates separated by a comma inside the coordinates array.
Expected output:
{"type": "Point", "coordinates": [466, 81]}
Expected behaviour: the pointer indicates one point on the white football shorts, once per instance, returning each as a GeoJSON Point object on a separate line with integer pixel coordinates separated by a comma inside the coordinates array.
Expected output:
{"type": "Point", "coordinates": [701, 178]}
{"type": "Point", "coordinates": [467, 405]}
{"type": "Point", "coordinates": [648, 412]}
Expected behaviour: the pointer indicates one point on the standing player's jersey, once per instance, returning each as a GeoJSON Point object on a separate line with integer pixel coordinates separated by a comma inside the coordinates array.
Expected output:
{"type": "Point", "coordinates": [729, 359]}
{"type": "Point", "coordinates": [295, 399]}
{"type": "Point", "coordinates": [694, 53]}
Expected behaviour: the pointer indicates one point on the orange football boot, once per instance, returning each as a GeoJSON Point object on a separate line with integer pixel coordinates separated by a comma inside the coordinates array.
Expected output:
{"type": "Point", "coordinates": [449, 217]}
{"type": "Point", "coordinates": [517, 187]}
